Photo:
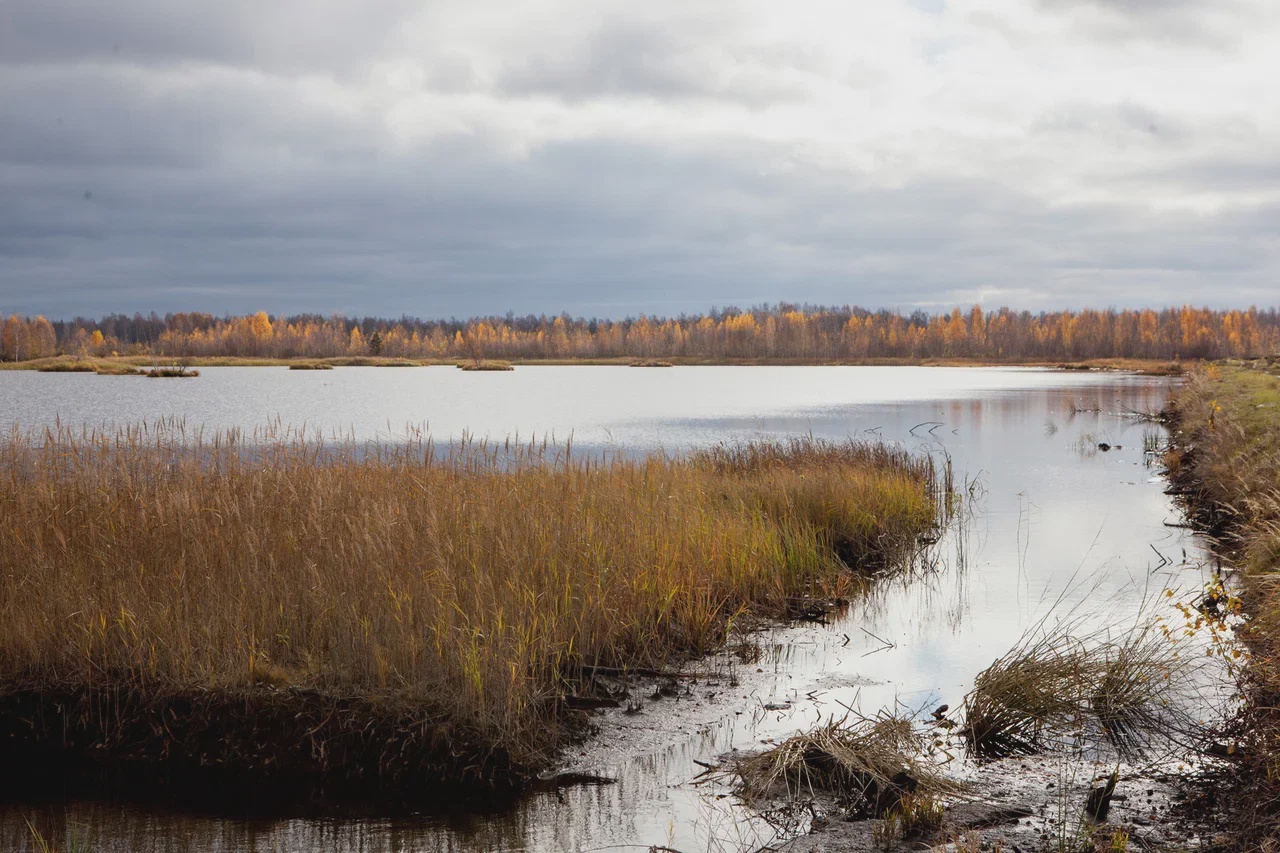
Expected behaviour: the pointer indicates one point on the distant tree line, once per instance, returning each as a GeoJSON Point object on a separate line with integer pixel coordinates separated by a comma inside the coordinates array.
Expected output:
{"type": "Point", "coordinates": [768, 332]}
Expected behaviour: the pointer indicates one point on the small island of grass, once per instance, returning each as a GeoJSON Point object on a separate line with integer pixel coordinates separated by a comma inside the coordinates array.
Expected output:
{"type": "Point", "coordinates": [485, 364]}
{"type": "Point", "coordinates": [73, 364]}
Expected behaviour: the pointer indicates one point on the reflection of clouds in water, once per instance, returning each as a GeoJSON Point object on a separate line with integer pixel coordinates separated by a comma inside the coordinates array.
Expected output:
{"type": "Point", "coordinates": [1044, 520]}
{"type": "Point", "coordinates": [595, 405]}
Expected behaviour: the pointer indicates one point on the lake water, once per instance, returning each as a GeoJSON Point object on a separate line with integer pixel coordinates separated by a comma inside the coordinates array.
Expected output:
{"type": "Point", "coordinates": [1053, 519]}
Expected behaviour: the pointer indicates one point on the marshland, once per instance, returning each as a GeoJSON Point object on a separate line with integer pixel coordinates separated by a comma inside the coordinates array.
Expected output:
{"type": "Point", "coordinates": [388, 550]}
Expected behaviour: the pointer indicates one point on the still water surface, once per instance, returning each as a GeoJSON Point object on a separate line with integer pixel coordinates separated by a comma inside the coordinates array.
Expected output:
{"type": "Point", "coordinates": [1053, 518]}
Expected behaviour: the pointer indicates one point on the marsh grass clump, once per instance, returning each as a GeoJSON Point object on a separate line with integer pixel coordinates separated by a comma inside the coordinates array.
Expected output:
{"type": "Point", "coordinates": [375, 613]}
{"type": "Point", "coordinates": [485, 364]}
{"type": "Point", "coordinates": [177, 371]}
{"type": "Point", "coordinates": [1153, 442]}
{"type": "Point", "coordinates": [370, 361]}
{"type": "Point", "coordinates": [100, 366]}
{"type": "Point", "coordinates": [652, 362]}
{"type": "Point", "coordinates": [310, 365]}
{"type": "Point", "coordinates": [917, 814]}
{"type": "Point", "coordinates": [869, 763]}
{"type": "Point", "coordinates": [1056, 686]}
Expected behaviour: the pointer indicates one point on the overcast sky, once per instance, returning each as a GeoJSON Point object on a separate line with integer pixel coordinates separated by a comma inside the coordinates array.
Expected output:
{"type": "Point", "coordinates": [611, 158]}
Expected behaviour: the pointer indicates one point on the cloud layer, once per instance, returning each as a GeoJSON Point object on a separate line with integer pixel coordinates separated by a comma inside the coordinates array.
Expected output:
{"type": "Point", "coordinates": [611, 158]}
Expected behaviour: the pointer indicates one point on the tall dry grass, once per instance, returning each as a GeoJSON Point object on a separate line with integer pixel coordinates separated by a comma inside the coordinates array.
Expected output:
{"type": "Point", "coordinates": [463, 591]}
{"type": "Point", "coordinates": [1225, 460]}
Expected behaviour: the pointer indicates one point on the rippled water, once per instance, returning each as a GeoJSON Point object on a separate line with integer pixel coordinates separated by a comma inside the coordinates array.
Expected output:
{"type": "Point", "coordinates": [1053, 517]}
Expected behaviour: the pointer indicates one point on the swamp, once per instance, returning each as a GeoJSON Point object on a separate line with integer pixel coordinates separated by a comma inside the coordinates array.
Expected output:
{"type": "Point", "coordinates": [593, 608]}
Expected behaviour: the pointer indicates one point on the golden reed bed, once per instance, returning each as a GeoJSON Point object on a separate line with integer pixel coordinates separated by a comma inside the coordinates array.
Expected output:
{"type": "Point", "coordinates": [392, 616]}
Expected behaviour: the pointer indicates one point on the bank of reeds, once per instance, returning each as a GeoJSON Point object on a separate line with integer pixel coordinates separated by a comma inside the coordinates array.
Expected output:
{"type": "Point", "coordinates": [310, 365]}
{"type": "Point", "coordinates": [390, 616]}
{"type": "Point", "coordinates": [1225, 462]}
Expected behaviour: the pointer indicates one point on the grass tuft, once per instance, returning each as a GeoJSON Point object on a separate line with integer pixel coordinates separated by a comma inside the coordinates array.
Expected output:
{"type": "Point", "coordinates": [1055, 686]}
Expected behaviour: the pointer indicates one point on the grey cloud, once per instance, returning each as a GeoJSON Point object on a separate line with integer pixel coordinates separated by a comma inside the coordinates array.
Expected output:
{"type": "Point", "coordinates": [286, 35]}
{"type": "Point", "coordinates": [83, 118]}
{"type": "Point", "coordinates": [652, 60]}
{"type": "Point", "coordinates": [1126, 122]}
{"type": "Point", "coordinates": [583, 223]}
{"type": "Point", "coordinates": [1208, 24]}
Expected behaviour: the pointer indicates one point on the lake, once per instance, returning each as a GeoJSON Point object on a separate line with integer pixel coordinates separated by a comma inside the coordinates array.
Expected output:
{"type": "Point", "coordinates": [1053, 522]}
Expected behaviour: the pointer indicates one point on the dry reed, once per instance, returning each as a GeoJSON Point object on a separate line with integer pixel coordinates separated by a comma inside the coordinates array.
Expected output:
{"type": "Point", "coordinates": [173, 372]}
{"type": "Point", "coordinates": [368, 607]}
{"type": "Point", "coordinates": [100, 366]}
{"type": "Point", "coordinates": [1064, 684]}
{"type": "Point", "coordinates": [482, 364]}
{"type": "Point", "coordinates": [1225, 460]}
{"type": "Point", "coordinates": [869, 763]}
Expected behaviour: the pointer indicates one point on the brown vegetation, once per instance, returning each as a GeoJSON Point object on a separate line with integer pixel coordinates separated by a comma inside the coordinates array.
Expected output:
{"type": "Point", "coordinates": [1067, 684]}
{"type": "Point", "coordinates": [483, 364]}
{"type": "Point", "coordinates": [177, 371]}
{"type": "Point", "coordinates": [1225, 461]}
{"type": "Point", "coordinates": [100, 366]}
{"type": "Point", "coordinates": [869, 762]}
{"type": "Point", "coordinates": [379, 615]}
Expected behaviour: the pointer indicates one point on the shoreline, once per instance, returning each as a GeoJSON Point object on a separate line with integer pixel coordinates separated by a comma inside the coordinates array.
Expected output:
{"type": "Point", "coordinates": [1224, 464]}
{"type": "Point", "coordinates": [125, 365]}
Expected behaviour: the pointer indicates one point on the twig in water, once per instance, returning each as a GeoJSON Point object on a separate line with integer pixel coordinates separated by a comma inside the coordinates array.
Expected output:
{"type": "Point", "coordinates": [1164, 561]}
{"type": "Point", "coordinates": [887, 645]}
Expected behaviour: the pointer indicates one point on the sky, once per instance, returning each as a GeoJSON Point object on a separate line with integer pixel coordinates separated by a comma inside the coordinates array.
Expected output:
{"type": "Point", "coordinates": [605, 158]}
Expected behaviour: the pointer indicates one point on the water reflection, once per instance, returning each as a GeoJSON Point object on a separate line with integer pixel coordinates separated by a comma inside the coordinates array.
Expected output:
{"type": "Point", "coordinates": [1045, 522]}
